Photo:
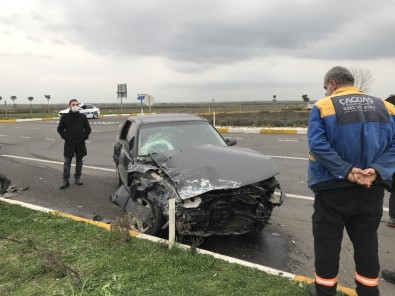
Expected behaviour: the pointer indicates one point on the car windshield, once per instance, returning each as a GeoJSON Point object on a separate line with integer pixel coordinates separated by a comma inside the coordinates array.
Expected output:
{"type": "Point", "coordinates": [161, 137]}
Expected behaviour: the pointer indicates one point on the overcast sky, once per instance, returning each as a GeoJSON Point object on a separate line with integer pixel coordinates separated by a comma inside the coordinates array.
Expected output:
{"type": "Point", "coordinates": [190, 51]}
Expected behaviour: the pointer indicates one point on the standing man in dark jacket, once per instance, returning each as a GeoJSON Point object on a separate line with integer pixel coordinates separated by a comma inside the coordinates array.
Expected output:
{"type": "Point", "coordinates": [351, 139]}
{"type": "Point", "coordinates": [391, 220]}
{"type": "Point", "coordinates": [74, 128]}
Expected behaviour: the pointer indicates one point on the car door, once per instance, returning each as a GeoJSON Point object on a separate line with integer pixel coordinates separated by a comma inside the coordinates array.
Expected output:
{"type": "Point", "coordinates": [87, 110]}
{"type": "Point", "coordinates": [127, 151]}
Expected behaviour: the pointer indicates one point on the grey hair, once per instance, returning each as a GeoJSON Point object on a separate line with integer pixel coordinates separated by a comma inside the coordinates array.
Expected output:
{"type": "Point", "coordinates": [341, 75]}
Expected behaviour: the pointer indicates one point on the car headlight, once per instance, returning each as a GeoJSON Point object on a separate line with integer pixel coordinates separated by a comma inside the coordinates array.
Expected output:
{"type": "Point", "coordinates": [192, 202]}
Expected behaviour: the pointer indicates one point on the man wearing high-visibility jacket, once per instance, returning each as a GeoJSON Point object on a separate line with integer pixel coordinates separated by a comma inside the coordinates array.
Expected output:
{"type": "Point", "coordinates": [351, 138]}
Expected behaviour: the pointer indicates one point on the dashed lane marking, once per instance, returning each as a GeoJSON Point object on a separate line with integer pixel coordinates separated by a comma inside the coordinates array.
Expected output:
{"type": "Point", "coordinates": [91, 123]}
{"type": "Point", "coordinates": [56, 162]}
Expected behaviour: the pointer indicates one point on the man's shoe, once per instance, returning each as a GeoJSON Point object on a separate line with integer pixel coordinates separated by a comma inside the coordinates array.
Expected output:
{"type": "Point", "coordinates": [388, 275]}
{"type": "Point", "coordinates": [5, 186]}
{"type": "Point", "coordinates": [64, 185]}
{"type": "Point", "coordinates": [78, 181]}
{"type": "Point", "coordinates": [391, 222]}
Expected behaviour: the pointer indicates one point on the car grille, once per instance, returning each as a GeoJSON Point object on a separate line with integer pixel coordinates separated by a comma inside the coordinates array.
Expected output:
{"type": "Point", "coordinates": [225, 212]}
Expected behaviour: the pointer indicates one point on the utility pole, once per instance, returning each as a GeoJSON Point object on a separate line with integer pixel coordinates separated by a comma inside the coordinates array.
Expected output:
{"type": "Point", "coordinates": [213, 113]}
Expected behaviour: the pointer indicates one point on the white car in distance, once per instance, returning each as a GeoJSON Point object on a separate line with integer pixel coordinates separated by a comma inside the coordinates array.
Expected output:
{"type": "Point", "coordinates": [89, 110]}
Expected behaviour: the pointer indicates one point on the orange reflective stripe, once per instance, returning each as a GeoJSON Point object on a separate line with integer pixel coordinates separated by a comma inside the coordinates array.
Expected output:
{"type": "Point", "coordinates": [325, 282]}
{"type": "Point", "coordinates": [367, 281]}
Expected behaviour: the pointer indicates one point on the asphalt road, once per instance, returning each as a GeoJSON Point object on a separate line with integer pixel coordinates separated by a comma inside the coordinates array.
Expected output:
{"type": "Point", "coordinates": [31, 155]}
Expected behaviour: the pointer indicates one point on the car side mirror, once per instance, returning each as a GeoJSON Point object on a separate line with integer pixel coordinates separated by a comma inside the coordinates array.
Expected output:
{"type": "Point", "coordinates": [230, 141]}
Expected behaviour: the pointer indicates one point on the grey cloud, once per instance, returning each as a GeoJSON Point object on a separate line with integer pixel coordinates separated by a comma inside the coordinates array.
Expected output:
{"type": "Point", "coordinates": [57, 41]}
{"type": "Point", "coordinates": [217, 32]}
{"type": "Point", "coordinates": [32, 55]}
{"type": "Point", "coordinates": [34, 39]}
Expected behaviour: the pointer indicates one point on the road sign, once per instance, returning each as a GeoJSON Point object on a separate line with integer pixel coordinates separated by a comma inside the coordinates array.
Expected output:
{"type": "Point", "coordinates": [149, 100]}
{"type": "Point", "coordinates": [141, 97]}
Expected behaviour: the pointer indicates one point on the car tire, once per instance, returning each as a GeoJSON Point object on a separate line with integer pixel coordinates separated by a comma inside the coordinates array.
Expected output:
{"type": "Point", "coordinates": [118, 176]}
{"type": "Point", "coordinates": [158, 219]}
{"type": "Point", "coordinates": [95, 116]}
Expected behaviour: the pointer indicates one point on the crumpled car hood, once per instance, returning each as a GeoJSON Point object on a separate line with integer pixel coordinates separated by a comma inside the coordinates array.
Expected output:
{"type": "Point", "coordinates": [199, 169]}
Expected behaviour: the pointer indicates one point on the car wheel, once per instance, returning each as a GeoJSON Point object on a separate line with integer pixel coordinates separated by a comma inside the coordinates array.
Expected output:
{"type": "Point", "coordinates": [118, 176]}
{"type": "Point", "coordinates": [95, 116]}
{"type": "Point", "coordinates": [157, 219]}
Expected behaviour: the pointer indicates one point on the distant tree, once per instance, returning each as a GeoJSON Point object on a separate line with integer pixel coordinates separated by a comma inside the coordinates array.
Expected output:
{"type": "Point", "coordinates": [30, 99]}
{"type": "Point", "coordinates": [363, 78]}
{"type": "Point", "coordinates": [305, 98]}
{"type": "Point", "coordinates": [13, 98]}
{"type": "Point", "coordinates": [48, 97]}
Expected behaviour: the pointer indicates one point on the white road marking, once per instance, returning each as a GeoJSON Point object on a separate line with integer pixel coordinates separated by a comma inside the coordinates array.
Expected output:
{"type": "Point", "coordinates": [26, 205]}
{"type": "Point", "coordinates": [88, 142]}
{"type": "Point", "coordinates": [18, 127]}
{"type": "Point", "coordinates": [93, 123]}
{"type": "Point", "coordinates": [299, 196]}
{"type": "Point", "coordinates": [3, 135]}
{"type": "Point", "coordinates": [50, 139]}
{"type": "Point", "coordinates": [23, 137]}
{"type": "Point", "coordinates": [288, 157]}
{"type": "Point", "coordinates": [304, 197]}
{"type": "Point", "coordinates": [56, 162]}
{"type": "Point", "coordinates": [285, 140]}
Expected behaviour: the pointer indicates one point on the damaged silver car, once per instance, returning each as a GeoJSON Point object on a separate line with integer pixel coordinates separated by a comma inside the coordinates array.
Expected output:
{"type": "Point", "coordinates": [218, 189]}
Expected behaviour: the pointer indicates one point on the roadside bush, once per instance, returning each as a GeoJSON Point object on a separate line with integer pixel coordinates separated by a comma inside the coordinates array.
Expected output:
{"type": "Point", "coordinates": [261, 119]}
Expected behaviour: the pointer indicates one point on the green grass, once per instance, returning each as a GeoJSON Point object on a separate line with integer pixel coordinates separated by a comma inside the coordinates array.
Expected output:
{"type": "Point", "coordinates": [44, 254]}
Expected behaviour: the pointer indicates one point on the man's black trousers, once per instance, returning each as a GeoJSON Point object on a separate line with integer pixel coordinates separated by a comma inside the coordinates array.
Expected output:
{"type": "Point", "coordinates": [67, 167]}
{"type": "Point", "coordinates": [359, 210]}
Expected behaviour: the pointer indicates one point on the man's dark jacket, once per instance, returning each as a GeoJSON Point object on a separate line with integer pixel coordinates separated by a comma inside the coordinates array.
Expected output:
{"type": "Point", "coordinates": [74, 128]}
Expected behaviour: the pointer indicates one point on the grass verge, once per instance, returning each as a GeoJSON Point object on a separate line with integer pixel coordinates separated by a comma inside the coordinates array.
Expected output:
{"type": "Point", "coordinates": [27, 115]}
{"type": "Point", "coordinates": [44, 254]}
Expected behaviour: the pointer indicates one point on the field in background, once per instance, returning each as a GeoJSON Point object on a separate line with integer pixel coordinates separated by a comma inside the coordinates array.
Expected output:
{"type": "Point", "coordinates": [284, 114]}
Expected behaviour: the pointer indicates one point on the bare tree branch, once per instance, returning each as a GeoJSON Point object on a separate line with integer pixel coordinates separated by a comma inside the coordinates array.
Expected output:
{"type": "Point", "coordinates": [363, 78]}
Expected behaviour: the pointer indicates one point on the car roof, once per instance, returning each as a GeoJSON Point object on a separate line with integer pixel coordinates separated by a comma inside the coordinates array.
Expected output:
{"type": "Point", "coordinates": [158, 118]}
